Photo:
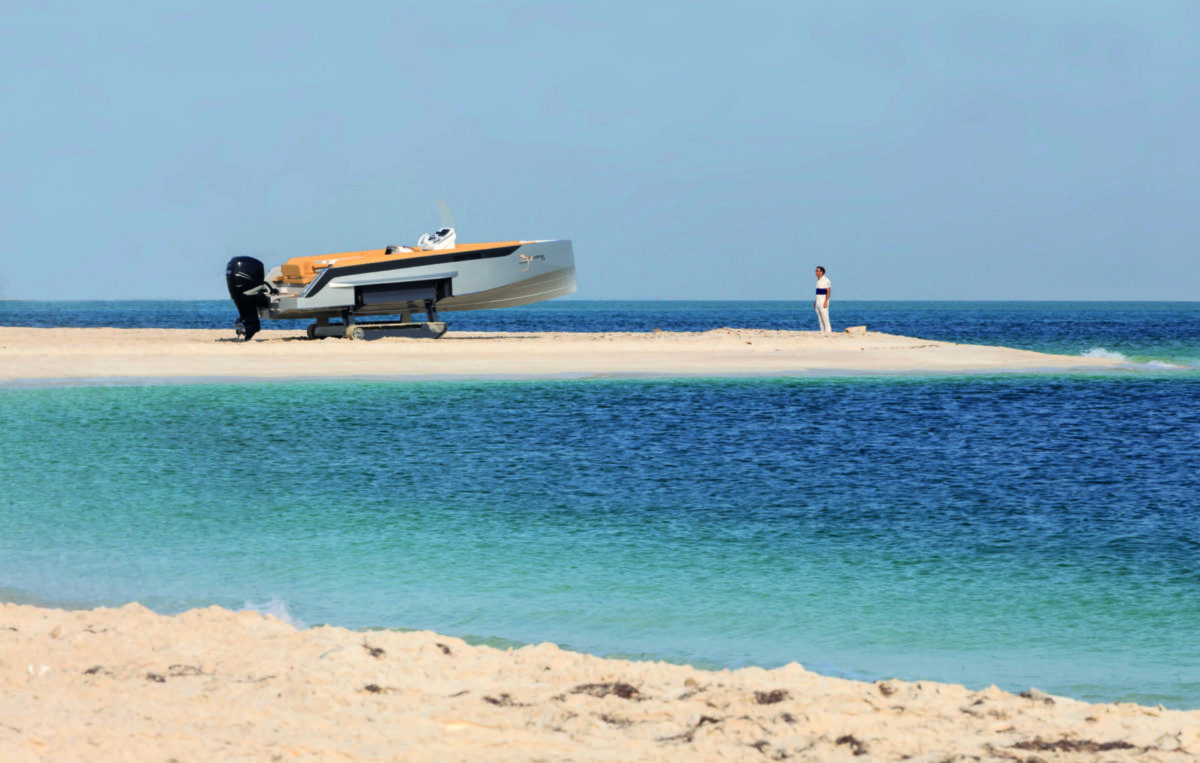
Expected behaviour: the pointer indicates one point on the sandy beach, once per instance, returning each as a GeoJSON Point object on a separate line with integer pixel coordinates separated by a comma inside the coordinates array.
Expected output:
{"type": "Point", "coordinates": [129, 684]}
{"type": "Point", "coordinates": [115, 355]}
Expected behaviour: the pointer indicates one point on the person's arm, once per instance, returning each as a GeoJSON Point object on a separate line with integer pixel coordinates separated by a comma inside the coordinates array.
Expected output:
{"type": "Point", "coordinates": [828, 294]}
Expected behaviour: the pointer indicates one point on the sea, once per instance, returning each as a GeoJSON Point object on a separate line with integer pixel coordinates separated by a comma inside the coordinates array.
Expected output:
{"type": "Point", "coordinates": [1017, 529]}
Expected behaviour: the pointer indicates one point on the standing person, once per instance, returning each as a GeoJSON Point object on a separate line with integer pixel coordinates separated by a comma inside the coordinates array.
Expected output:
{"type": "Point", "coordinates": [824, 292]}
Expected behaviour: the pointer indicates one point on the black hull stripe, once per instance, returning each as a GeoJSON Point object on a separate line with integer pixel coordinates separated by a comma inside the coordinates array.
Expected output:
{"type": "Point", "coordinates": [329, 274]}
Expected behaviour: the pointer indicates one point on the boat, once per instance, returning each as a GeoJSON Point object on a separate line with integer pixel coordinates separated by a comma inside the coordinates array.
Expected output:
{"type": "Point", "coordinates": [436, 275]}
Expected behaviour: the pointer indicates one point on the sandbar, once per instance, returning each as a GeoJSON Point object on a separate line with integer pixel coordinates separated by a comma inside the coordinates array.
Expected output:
{"type": "Point", "coordinates": [212, 684]}
{"type": "Point", "coordinates": [116, 355]}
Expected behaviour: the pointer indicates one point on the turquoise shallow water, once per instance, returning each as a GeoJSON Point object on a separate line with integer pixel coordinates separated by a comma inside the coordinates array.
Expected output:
{"type": "Point", "coordinates": [1022, 530]}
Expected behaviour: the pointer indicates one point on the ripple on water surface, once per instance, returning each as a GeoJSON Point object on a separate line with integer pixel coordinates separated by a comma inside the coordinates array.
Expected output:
{"type": "Point", "coordinates": [1025, 531]}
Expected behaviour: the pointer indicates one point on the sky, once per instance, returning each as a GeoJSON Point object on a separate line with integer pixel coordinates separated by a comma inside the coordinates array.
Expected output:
{"type": "Point", "coordinates": [982, 149]}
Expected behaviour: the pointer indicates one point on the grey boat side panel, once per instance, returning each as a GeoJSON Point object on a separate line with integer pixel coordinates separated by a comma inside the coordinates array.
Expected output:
{"type": "Point", "coordinates": [532, 272]}
{"type": "Point", "coordinates": [341, 292]}
{"type": "Point", "coordinates": [529, 262]}
{"type": "Point", "coordinates": [543, 287]}
{"type": "Point", "coordinates": [401, 267]}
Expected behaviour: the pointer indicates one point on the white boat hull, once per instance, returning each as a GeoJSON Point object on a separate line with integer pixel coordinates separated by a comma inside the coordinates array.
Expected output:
{"type": "Point", "coordinates": [506, 276]}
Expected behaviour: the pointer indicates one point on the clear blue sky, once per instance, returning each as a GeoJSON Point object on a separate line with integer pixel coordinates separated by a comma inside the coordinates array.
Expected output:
{"type": "Point", "coordinates": [991, 149]}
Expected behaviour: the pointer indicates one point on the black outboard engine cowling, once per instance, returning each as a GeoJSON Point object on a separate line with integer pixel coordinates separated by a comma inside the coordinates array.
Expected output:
{"type": "Point", "coordinates": [244, 277]}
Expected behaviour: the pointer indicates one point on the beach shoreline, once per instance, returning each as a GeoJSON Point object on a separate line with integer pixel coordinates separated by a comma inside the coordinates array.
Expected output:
{"type": "Point", "coordinates": [206, 684]}
{"type": "Point", "coordinates": [109, 355]}
{"type": "Point", "coordinates": [212, 683]}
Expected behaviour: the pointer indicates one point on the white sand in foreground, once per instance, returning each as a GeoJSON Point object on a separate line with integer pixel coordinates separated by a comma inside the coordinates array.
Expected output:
{"type": "Point", "coordinates": [128, 684]}
{"type": "Point", "coordinates": [121, 354]}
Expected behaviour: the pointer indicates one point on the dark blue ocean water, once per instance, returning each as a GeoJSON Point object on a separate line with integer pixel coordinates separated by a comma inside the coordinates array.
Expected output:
{"type": "Point", "coordinates": [1014, 529]}
{"type": "Point", "coordinates": [1140, 331]}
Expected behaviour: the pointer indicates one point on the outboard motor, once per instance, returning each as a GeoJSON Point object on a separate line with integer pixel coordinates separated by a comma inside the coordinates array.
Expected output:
{"type": "Point", "coordinates": [244, 277]}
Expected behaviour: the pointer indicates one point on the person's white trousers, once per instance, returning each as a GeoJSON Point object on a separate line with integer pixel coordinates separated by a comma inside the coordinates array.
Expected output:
{"type": "Point", "coordinates": [822, 315]}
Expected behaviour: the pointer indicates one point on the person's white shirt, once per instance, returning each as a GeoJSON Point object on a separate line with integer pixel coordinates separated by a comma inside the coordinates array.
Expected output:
{"type": "Point", "coordinates": [823, 287]}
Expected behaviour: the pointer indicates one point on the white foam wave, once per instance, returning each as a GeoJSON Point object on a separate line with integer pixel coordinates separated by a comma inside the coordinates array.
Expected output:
{"type": "Point", "coordinates": [1100, 352]}
{"type": "Point", "coordinates": [277, 608]}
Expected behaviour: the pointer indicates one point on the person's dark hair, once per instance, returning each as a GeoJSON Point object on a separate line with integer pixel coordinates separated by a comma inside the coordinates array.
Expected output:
{"type": "Point", "coordinates": [821, 268]}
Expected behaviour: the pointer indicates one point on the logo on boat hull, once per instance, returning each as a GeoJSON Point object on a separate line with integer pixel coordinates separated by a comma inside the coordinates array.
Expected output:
{"type": "Point", "coordinates": [528, 259]}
